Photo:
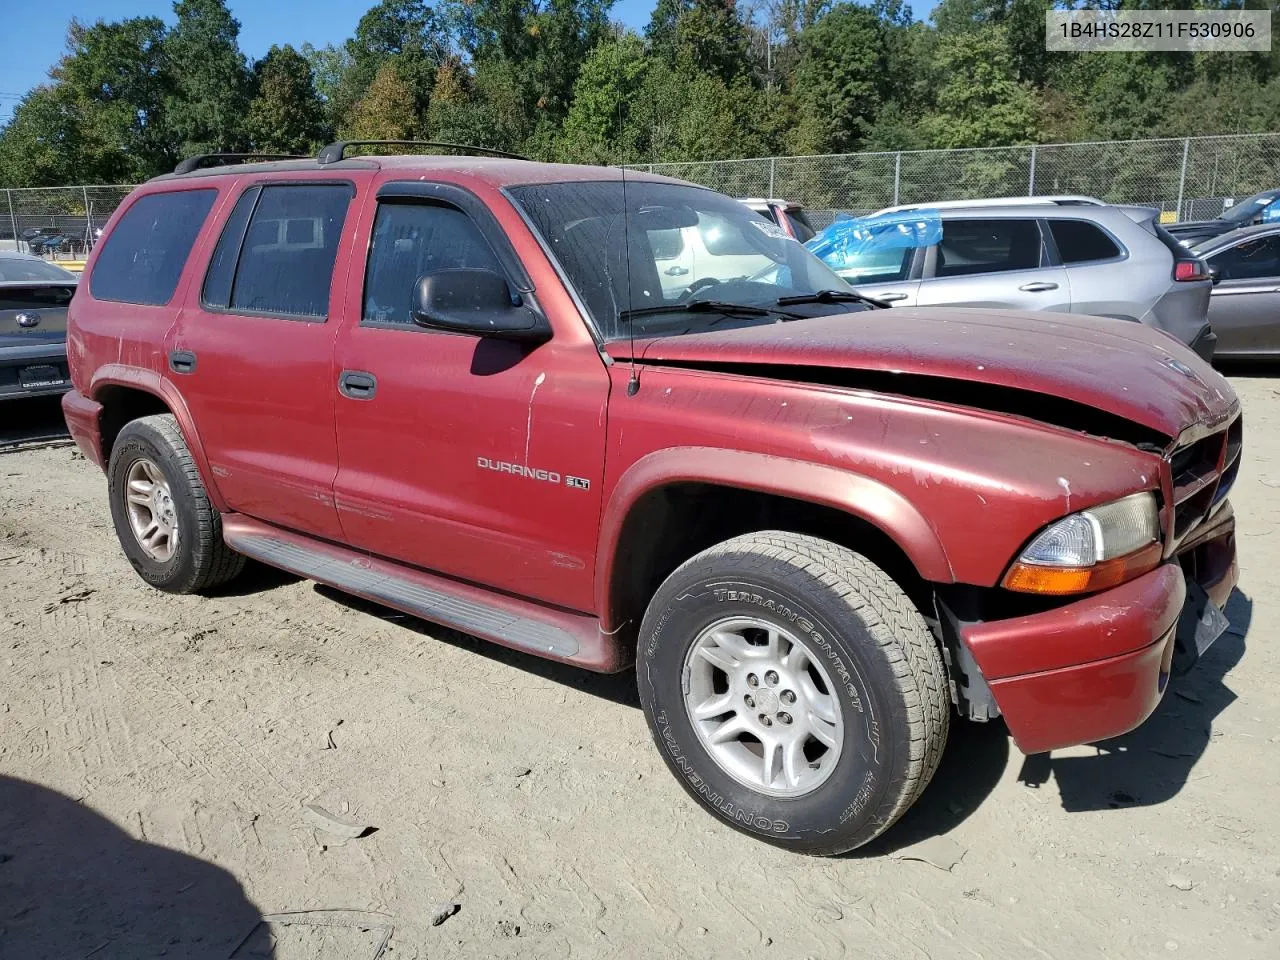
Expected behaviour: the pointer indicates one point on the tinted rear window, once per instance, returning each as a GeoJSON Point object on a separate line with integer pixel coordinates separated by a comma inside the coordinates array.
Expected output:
{"type": "Point", "coordinates": [142, 259]}
{"type": "Point", "coordinates": [987, 246]}
{"type": "Point", "coordinates": [287, 253]}
{"type": "Point", "coordinates": [1079, 241]}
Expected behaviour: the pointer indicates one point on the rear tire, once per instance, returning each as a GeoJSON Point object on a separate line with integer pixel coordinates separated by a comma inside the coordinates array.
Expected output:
{"type": "Point", "coordinates": [753, 630]}
{"type": "Point", "coordinates": [167, 528]}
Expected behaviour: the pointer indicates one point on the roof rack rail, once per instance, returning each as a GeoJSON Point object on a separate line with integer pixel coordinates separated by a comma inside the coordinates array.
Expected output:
{"type": "Point", "coordinates": [337, 151]}
{"type": "Point", "coordinates": [218, 159]}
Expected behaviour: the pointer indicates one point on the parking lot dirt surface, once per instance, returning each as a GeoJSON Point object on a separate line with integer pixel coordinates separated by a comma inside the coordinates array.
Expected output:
{"type": "Point", "coordinates": [175, 769]}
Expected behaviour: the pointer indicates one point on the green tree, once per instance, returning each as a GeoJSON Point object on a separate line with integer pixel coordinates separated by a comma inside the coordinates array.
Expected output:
{"type": "Point", "coordinates": [285, 115]}
{"type": "Point", "coordinates": [541, 44]}
{"type": "Point", "coordinates": [385, 112]}
{"type": "Point", "coordinates": [404, 32]}
{"type": "Point", "coordinates": [210, 78]}
{"type": "Point", "coordinates": [980, 102]}
{"type": "Point", "coordinates": [101, 117]}
{"type": "Point", "coordinates": [607, 86]}
{"type": "Point", "coordinates": [43, 144]}
{"type": "Point", "coordinates": [839, 85]}
{"type": "Point", "coordinates": [329, 66]}
{"type": "Point", "coordinates": [712, 35]}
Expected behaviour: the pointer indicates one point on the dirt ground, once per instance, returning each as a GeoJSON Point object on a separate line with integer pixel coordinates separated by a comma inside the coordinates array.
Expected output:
{"type": "Point", "coordinates": [157, 754]}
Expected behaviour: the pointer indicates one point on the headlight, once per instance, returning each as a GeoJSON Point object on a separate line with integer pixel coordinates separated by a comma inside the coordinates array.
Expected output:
{"type": "Point", "coordinates": [1091, 550]}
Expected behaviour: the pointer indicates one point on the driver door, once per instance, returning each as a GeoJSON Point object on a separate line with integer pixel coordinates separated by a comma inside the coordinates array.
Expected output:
{"type": "Point", "coordinates": [475, 457]}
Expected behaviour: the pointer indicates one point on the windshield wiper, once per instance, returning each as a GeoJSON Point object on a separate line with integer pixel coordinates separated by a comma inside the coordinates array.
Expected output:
{"type": "Point", "coordinates": [705, 306]}
{"type": "Point", "coordinates": [832, 296]}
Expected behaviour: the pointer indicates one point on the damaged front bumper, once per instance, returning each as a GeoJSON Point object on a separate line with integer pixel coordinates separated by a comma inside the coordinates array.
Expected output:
{"type": "Point", "coordinates": [1097, 668]}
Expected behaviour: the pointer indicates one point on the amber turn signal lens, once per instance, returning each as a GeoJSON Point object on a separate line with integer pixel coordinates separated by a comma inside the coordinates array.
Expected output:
{"type": "Point", "coordinates": [1059, 581]}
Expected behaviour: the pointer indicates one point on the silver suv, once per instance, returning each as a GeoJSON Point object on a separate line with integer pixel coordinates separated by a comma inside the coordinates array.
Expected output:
{"type": "Point", "coordinates": [1108, 261]}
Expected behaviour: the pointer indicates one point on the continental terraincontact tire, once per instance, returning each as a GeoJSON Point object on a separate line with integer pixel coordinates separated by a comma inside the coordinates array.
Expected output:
{"type": "Point", "coordinates": [794, 690]}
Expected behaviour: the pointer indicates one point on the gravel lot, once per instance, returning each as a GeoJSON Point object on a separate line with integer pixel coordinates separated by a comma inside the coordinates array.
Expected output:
{"type": "Point", "coordinates": [157, 755]}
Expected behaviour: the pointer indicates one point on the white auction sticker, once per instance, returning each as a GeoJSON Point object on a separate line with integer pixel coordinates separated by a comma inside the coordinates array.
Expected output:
{"type": "Point", "coordinates": [1128, 31]}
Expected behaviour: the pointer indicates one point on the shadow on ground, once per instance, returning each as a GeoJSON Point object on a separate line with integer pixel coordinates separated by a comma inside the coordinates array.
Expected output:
{"type": "Point", "coordinates": [1153, 763]}
{"type": "Point", "coordinates": [615, 687]}
{"type": "Point", "coordinates": [32, 420]}
{"type": "Point", "coordinates": [974, 762]}
{"type": "Point", "coordinates": [73, 885]}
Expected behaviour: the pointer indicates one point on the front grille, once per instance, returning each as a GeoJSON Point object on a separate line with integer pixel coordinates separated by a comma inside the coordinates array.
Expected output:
{"type": "Point", "coordinates": [1203, 472]}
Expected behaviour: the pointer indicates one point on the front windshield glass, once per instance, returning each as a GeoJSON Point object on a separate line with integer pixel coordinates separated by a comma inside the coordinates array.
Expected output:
{"type": "Point", "coordinates": [1249, 208]}
{"type": "Point", "coordinates": [675, 246]}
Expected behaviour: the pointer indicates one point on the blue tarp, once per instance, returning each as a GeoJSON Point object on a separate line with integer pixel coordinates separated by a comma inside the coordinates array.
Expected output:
{"type": "Point", "coordinates": [845, 244]}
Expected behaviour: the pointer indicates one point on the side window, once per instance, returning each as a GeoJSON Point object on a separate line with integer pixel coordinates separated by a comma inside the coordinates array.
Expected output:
{"type": "Point", "coordinates": [143, 257]}
{"type": "Point", "coordinates": [413, 239]}
{"type": "Point", "coordinates": [721, 238]}
{"type": "Point", "coordinates": [877, 265]}
{"type": "Point", "coordinates": [987, 246]}
{"type": "Point", "coordinates": [666, 244]}
{"type": "Point", "coordinates": [222, 266]}
{"type": "Point", "coordinates": [1249, 260]}
{"type": "Point", "coordinates": [277, 251]}
{"type": "Point", "coordinates": [1079, 241]}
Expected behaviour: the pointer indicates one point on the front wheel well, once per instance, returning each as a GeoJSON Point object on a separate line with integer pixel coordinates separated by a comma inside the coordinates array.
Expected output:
{"type": "Point", "coordinates": [672, 523]}
{"type": "Point", "coordinates": [122, 405]}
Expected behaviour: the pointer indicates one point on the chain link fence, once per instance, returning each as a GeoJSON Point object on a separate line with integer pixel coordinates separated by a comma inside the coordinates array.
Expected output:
{"type": "Point", "coordinates": [1190, 178]}
{"type": "Point", "coordinates": [58, 222]}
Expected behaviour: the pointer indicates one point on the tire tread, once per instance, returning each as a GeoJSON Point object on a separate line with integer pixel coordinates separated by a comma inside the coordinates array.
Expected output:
{"type": "Point", "coordinates": [888, 615]}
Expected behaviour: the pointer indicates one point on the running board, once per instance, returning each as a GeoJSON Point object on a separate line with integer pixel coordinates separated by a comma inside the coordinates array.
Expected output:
{"type": "Point", "coordinates": [520, 624]}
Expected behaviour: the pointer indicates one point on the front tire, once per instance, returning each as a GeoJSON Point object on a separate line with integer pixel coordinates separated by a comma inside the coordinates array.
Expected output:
{"type": "Point", "coordinates": [167, 528]}
{"type": "Point", "coordinates": [794, 690]}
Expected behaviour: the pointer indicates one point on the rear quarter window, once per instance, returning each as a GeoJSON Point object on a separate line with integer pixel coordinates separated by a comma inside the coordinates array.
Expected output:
{"type": "Point", "coordinates": [142, 258]}
{"type": "Point", "coordinates": [1079, 241]}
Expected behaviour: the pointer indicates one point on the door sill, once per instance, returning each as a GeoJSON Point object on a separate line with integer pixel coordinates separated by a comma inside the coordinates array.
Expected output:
{"type": "Point", "coordinates": [523, 625]}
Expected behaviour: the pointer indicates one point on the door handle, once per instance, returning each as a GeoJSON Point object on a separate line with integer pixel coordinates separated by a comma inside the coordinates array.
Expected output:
{"type": "Point", "coordinates": [357, 385]}
{"type": "Point", "coordinates": [676, 271]}
{"type": "Point", "coordinates": [1038, 287]}
{"type": "Point", "coordinates": [182, 361]}
{"type": "Point", "coordinates": [891, 297]}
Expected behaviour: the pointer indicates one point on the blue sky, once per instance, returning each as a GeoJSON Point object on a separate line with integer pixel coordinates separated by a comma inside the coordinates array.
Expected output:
{"type": "Point", "coordinates": [35, 34]}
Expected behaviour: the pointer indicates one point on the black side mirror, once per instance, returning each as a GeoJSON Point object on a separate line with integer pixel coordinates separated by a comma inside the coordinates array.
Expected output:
{"type": "Point", "coordinates": [476, 301]}
{"type": "Point", "coordinates": [1215, 275]}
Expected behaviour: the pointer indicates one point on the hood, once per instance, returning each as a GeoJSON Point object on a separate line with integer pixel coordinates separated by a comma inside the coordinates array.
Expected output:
{"type": "Point", "coordinates": [1044, 366]}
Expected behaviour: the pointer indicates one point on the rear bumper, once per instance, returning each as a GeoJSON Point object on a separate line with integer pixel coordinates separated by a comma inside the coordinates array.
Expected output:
{"type": "Point", "coordinates": [84, 418]}
{"type": "Point", "coordinates": [1096, 668]}
{"type": "Point", "coordinates": [15, 360]}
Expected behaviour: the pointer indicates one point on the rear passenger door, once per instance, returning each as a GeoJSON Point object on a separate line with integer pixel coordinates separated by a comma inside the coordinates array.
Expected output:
{"type": "Point", "coordinates": [1099, 270]}
{"type": "Point", "coordinates": [253, 353]}
{"type": "Point", "coordinates": [1244, 308]}
{"type": "Point", "coordinates": [993, 262]}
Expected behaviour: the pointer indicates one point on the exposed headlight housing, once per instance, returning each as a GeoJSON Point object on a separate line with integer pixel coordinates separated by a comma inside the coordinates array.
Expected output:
{"type": "Point", "coordinates": [1091, 550]}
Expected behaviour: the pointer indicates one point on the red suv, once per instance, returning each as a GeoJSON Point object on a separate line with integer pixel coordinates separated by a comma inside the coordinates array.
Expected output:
{"type": "Point", "coordinates": [462, 387]}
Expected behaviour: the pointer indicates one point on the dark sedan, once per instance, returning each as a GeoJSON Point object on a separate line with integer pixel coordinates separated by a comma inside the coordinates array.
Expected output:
{"type": "Point", "coordinates": [1260, 208]}
{"type": "Point", "coordinates": [1244, 309]}
{"type": "Point", "coordinates": [33, 325]}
